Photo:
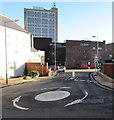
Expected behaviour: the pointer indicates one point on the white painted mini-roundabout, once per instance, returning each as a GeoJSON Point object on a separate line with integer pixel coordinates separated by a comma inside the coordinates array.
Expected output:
{"type": "Point", "coordinates": [52, 96]}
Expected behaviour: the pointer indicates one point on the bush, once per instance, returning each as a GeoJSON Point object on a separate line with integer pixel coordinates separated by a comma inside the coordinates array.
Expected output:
{"type": "Point", "coordinates": [111, 75]}
{"type": "Point", "coordinates": [33, 74]}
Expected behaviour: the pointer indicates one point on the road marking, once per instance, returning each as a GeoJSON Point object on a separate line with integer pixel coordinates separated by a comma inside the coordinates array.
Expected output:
{"type": "Point", "coordinates": [78, 100]}
{"type": "Point", "coordinates": [81, 80]}
{"type": "Point", "coordinates": [89, 81]}
{"type": "Point", "coordinates": [76, 80]}
{"type": "Point", "coordinates": [55, 88]}
{"type": "Point", "coordinates": [15, 105]}
{"type": "Point", "coordinates": [52, 96]}
{"type": "Point", "coordinates": [67, 78]}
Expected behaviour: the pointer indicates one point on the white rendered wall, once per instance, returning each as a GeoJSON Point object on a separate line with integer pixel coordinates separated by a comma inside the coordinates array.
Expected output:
{"type": "Point", "coordinates": [18, 51]}
{"type": "Point", "coordinates": [36, 56]}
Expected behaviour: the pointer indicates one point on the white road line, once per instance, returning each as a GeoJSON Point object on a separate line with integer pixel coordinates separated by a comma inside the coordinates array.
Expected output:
{"type": "Point", "coordinates": [86, 94]}
{"type": "Point", "coordinates": [67, 78]}
{"type": "Point", "coordinates": [81, 80]}
{"type": "Point", "coordinates": [89, 81]}
{"type": "Point", "coordinates": [55, 88]}
{"type": "Point", "coordinates": [78, 100]}
{"type": "Point", "coordinates": [76, 79]}
{"type": "Point", "coordinates": [15, 105]}
{"type": "Point", "coordinates": [49, 88]}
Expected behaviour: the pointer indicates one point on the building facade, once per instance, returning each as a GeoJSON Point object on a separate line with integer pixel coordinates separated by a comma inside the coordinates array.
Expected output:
{"type": "Point", "coordinates": [109, 52]}
{"type": "Point", "coordinates": [15, 48]}
{"type": "Point", "coordinates": [41, 22]}
{"type": "Point", "coordinates": [43, 44]}
{"type": "Point", "coordinates": [60, 53]}
{"type": "Point", "coordinates": [83, 53]}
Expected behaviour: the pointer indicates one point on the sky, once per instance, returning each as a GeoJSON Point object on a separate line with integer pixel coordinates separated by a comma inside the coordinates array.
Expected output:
{"type": "Point", "coordinates": [76, 20]}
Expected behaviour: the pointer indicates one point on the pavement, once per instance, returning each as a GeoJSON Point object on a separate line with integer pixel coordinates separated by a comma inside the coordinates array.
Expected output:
{"type": "Point", "coordinates": [96, 78]}
{"type": "Point", "coordinates": [20, 80]}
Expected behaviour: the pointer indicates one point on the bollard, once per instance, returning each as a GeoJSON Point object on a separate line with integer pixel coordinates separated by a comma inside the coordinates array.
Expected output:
{"type": "Point", "coordinates": [73, 74]}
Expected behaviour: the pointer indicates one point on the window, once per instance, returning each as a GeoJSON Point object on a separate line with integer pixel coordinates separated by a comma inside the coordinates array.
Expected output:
{"type": "Point", "coordinates": [100, 48]}
{"type": "Point", "coordinates": [51, 15]}
{"type": "Point", "coordinates": [94, 48]}
{"type": "Point", "coordinates": [110, 55]}
{"type": "Point", "coordinates": [85, 44]}
{"type": "Point", "coordinates": [44, 15]}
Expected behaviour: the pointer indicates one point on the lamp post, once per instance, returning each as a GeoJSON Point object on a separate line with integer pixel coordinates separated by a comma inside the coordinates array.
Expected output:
{"type": "Point", "coordinates": [42, 63]}
{"type": "Point", "coordinates": [97, 54]}
{"type": "Point", "coordinates": [6, 49]}
{"type": "Point", "coordinates": [55, 55]}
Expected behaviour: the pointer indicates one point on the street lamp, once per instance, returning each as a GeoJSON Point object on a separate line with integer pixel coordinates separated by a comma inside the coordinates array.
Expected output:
{"type": "Point", "coordinates": [55, 50]}
{"type": "Point", "coordinates": [6, 49]}
{"type": "Point", "coordinates": [42, 63]}
{"type": "Point", "coordinates": [97, 54]}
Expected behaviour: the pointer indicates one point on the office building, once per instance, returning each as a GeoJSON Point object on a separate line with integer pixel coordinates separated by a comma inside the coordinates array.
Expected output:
{"type": "Point", "coordinates": [41, 22]}
{"type": "Point", "coordinates": [80, 52]}
{"type": "Point", "coordinates": [109, 52]}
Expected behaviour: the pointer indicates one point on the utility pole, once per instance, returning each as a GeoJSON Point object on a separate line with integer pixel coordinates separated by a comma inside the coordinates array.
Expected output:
{"type": "Point", "coordinates": [97, 55]}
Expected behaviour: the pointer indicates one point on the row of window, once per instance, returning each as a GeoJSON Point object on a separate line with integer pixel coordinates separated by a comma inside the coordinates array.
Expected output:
{"type": "Point", "coordinates": [99, 48]}
{"type": "Point", "coordinates": [43, 35]}
{"type": "Point", "coordinates": [41, 32]}
{"type": "Point", "coordinates": [41, 22]}
{"type": "Point", "coordinates": [87, 44]}
{"type": "Point", "coordinates": [41, 14]}
{"type": "Point", "coordinates": [87, 51]}
{"type": "Point", "coordinates": [84, 51]}
{"type": "Point", "coordinates": [86, 57]}
{"type": "Point", "coordinates": [40, 29]}
{"type": "Point", "coordinates": [40, 19]}
{"type": "Point", "coordinates": [40, 26]}
{"type": "Point", "coordinates": [44, 32]}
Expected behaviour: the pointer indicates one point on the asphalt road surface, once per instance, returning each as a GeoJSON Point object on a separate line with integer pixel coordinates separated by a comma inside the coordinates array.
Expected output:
{"type": "Point", "coordinates": [64, 96]}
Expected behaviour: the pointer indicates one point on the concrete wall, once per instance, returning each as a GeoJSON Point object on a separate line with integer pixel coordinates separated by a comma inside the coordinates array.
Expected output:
{"type": "Point", "coordinates": [36, 56]}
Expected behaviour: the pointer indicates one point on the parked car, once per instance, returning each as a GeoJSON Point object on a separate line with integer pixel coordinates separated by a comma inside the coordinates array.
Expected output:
{"type": "Point", "coordinates": [57, 67]}
{"type": "Point", "coordinates": [92, 66]}
{"type": "Point", "coordinates": [52, 67]}
{"type": "Point", "coordinates": [84, 67]}
{"type": "Point", "coordinates": [62, 69]}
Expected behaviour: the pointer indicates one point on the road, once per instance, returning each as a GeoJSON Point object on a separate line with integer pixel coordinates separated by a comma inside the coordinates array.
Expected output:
{"type": "Point", "coordinates": [63, 96]}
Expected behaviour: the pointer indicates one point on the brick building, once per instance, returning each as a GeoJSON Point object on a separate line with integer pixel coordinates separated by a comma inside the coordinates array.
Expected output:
{"type": "Point", "coordinates": [109, 51]}
{"type": "Point", "coordinates": [83, 52]}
